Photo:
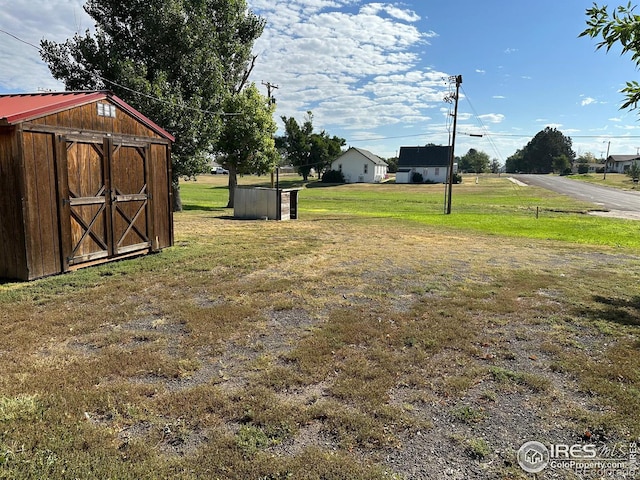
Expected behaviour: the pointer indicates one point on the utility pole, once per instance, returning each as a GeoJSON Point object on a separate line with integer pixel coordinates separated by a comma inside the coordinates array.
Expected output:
{"type": "Point", "coordinates": [606, 161]}
{"type": "Point", "coordinates": [272, 100]}
{"type": "Point", "coordinates": [270, 86]}
{"type": "Point", "coordinates": [458, 80]}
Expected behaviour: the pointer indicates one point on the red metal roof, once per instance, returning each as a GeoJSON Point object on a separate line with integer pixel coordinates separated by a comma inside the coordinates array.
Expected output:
{"type": "Point", "coordinates": [22, 107]}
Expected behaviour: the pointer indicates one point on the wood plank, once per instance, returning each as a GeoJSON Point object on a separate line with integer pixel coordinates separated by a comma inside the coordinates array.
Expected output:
{"type": "Point", "coordinates": [75, 202]}
{"type": "Point", "coordinates": [137, 253]}
{"type": "Point", "coordinates": [133, 248]}
{"type": "Point", "coordinates": [89, 135]}
{"type": "Point", "coordinates": [32, 216]}
{"type": "Point", "coordinates": [149, 179]}
{"type": "Point", "coordinates": [47, 208]}
{"type": "Point", "coordinates": [87, 257]}
{"type": "Point", "coordinates": [110, 214]}
{"type": "Point", "coordinates": [161, 207]}
{"type": "Point", "coordinates": [13, 263]}
{"type": "Point", "coordinates": [64, 208]}
{"type": "Point", "coordinates": [132, 197]}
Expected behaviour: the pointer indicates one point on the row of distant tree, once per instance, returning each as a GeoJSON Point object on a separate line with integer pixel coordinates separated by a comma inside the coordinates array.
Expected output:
{"type": "Point", "coordinates": [549, 151]}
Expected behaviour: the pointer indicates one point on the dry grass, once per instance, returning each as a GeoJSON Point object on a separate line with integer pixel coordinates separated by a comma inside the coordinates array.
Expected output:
{"type": "Point", "coordinates": [329, 347]}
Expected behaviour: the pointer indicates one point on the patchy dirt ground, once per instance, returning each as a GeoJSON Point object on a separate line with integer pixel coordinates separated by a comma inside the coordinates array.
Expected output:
{"type": "Point", "coordinates": [381, 352]}
{"type": "Point", "coordinates": [469, 409]}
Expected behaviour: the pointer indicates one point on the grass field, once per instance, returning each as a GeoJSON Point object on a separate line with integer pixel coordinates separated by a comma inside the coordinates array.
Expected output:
{"type": "Point", "coordinates": [373, 338]}
{"type": "Point", "coordinates": [615, 180]}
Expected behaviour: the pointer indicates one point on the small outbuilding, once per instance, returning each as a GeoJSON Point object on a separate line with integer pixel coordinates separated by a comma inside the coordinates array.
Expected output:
{"type": "Point", "coordinates": [428, 164]}
{"type": "Point", "coordinates": [361, 166]}
{"type": "Point", "coordinates": [261, 203]}
{"type": "Point", "coordinates": [84, 179]}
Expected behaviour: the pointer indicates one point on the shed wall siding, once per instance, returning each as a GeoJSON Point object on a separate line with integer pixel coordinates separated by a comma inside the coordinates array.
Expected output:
{"type": "Point", "coordinates": [86, 118]}
{"type": "Point", "coordinates": [161, 200]}
{"type": "Point", "coordinates": [40, 205]}
{"type": "Point", "coordinates": [12, 251]}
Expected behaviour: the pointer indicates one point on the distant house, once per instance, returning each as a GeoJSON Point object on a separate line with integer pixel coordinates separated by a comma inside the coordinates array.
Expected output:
{"type": "Point", "coordinates": [621, 163]}
{"type": "Point", "coordinates": [431, 162]}
{"type": "Point", "coordinates": [361, 166]}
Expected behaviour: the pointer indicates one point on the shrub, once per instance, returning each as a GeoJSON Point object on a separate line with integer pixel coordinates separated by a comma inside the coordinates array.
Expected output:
{"type": "Point", "coordinates": [416, 177]}
{"type": "Point", "coordinates": [583, 168]}
{"type": "Point", "coordinates": [333, 176]}
{"type": "Point", "coordinates": [457, 178]}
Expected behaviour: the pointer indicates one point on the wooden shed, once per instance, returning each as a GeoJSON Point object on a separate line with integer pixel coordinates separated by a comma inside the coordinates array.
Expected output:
{"type": "Point", "coordinates": [84, 178]}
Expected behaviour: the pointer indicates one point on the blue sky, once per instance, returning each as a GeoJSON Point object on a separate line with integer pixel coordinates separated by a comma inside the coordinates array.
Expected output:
{"type": "Point", "coordinates": [377, 73]}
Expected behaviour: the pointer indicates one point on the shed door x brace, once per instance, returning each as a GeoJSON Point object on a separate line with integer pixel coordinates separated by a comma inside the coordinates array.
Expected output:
{"type": "Point", "coordinates": [105, 192]}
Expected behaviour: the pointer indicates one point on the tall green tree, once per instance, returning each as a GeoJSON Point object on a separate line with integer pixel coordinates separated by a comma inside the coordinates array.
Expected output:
{"type": "Point", "coordinates": [174, 60]}
{"type": "Point", "coordinates": [539, 154]}
{"type": "Point", "coordinates": [621, 26]}
{"type": "Point", "coordinates": [324, 150]}
{"type": "Point", "coordinates": [305, 149]}
{"type": "Point", "coordinates": [474, 161]}
{"type": "Point", "coordinates": [246, 144]}
{"type": "Point", "coordinates": [587, 157]}
{"type": "Point", "coordinates": [295, 144]}
{"type": "Point", "coordinates": [561, 164]}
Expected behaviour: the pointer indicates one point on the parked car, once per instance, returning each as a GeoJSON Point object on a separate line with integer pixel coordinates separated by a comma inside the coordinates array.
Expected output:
{"type": "Point", "coordinates": [219, 171]}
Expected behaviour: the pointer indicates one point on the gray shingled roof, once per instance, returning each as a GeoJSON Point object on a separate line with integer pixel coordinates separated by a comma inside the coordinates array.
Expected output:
{"type": "Point", "coordinates": [624, 158]}
{"type": "Point", "coordinates": [429, 156]}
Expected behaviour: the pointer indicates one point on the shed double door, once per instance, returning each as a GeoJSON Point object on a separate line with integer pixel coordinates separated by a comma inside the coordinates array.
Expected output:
{"type": "Point", "coordinates": [108, 200]}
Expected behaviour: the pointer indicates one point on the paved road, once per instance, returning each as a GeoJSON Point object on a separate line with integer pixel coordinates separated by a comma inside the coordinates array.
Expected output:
{"type": "Point", "coordinates": [605, 197]}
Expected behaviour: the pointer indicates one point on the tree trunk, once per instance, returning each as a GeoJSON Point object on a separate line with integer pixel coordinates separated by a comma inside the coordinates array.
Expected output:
{"type": "Point", "coordinates": [233, 183]}
{"type": "Point", "coordinates": [177, 201]}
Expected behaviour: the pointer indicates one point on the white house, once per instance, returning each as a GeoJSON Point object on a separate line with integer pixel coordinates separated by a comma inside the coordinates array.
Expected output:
{"type": "Point", "coordinates": [430, 162]}
{"type": "Point", "coordinates": [621, 163]}
{"type": "Point", "coordinates": [362, 166]}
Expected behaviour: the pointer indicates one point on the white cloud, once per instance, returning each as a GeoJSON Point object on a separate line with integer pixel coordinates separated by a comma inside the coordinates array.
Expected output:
{"type": "Point", "coordinates": [391, 10]}
{"type": "Point", "coordinates": [509, 51]}
{"type": "Point", "coordinates": [587, 101]}
{"type": "Point", "coordinates": [499, 97]}
{"type": "Point", "coordinates": [480, 71]}
{"type": "Point", "coordinates": [21, 68]}
{"type": "Point", "coordinates": [356, 69]}
{"type": "Point", "coordinates": [492, 117]}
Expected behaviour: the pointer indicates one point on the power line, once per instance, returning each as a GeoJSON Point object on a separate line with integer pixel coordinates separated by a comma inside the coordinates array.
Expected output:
{"type": "Point", "coordinates": [19, 39]}
{"type": "Point", "coordinates": [483, 126]}
{"type": "Point", "coordinates": [151, 97]}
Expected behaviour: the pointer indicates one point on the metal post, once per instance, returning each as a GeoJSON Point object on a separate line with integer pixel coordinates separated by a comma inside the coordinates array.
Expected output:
{"type": "Point", "coordinates": [606, 161]}
{"type": "Point", "coordinates": [278, 199]}
{"type": "Point", "coordinates": [453, 143]}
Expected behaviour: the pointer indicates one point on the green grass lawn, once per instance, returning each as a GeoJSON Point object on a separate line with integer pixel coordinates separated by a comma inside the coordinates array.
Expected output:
{"type": "Point", "coordinates": [493, 206]}
{"type": "Point", "coordinates": [615, 180]}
